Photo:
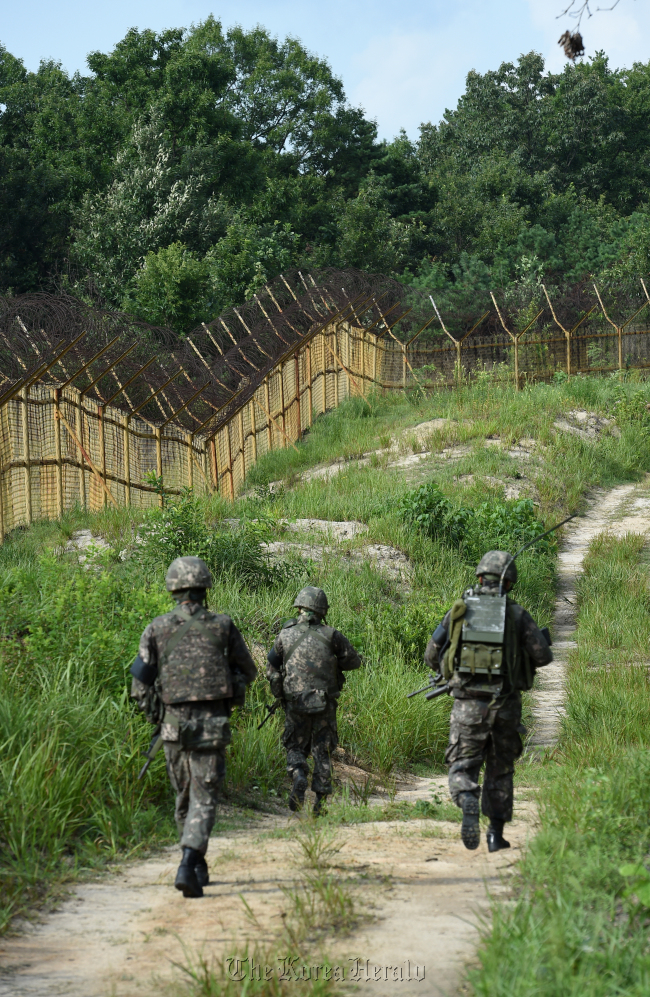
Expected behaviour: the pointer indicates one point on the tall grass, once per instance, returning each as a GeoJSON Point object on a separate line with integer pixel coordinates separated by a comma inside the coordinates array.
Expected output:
{"type": "Point", "coordinates": [572, 930]}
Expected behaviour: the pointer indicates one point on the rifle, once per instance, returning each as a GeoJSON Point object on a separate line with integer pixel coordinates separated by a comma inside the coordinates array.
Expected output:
{"type": "Point", "coordinates": [432, 689]}
{"type": "Point", "coordinates": [154, 747]}
{"type": "Point", "coordinates": [271, 711]}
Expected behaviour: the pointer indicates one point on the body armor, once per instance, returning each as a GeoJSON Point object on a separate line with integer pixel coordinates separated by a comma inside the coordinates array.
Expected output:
{"type": "Point", "coordinates": [193, 656]}
{"type": "Point", "coordinates": [310, 666]}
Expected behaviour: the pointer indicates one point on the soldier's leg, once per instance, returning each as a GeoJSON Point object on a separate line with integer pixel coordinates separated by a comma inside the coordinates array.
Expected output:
{"type": "Point", "coordinates": [324, 739]}
{"type": "Point", "coordinates": [504, 747]}
{"type": "Point", "coordinates": [469, 732]}
{"type": "Point", "coordinates": [207, 772]}
{"type": "Point", "coordinates": [178, 770]}
{"type": "Point", "coordinates": [296, 740]}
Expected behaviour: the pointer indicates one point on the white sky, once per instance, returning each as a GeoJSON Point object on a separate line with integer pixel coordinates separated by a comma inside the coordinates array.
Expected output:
{"type": "Point", "coordinates": [403, 64]}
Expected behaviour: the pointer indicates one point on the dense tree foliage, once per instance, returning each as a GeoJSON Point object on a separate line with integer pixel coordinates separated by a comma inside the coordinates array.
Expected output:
{"type": "Point", "coordinates": [190, 167]}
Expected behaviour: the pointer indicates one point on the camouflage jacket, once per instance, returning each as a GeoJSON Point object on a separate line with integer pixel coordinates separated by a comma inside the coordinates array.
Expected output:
{"type": "Point", "coordinates": [309, 658]}
{"type": "Point", "coordinates": [529, 643]}
{"type": "Point", "coordinates": [200, 664]}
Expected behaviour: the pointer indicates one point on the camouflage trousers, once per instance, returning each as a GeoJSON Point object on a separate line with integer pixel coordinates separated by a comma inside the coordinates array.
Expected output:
{"type": "Point", "coordinates": [196, 777]}
{"type": "Point", "coordinates": [483, 733]}
{"type": "Point", "coordinates": [312, 734]}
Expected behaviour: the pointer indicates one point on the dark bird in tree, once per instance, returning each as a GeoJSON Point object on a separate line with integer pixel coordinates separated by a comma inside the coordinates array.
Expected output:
{"type": "Point", "coordinates": [572, 44]}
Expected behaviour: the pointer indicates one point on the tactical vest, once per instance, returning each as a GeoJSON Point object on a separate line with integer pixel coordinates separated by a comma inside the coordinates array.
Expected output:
{"type": "Point", "coordinates": [193, 660]}
{"type": "Point", "coordinates": [483, 642]}
{"type": "Point", "coordinates": [310, 666]}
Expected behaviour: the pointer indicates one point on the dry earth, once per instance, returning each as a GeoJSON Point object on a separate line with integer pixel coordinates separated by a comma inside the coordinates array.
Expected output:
{"type": "Point", "coordinates": [126, 933]}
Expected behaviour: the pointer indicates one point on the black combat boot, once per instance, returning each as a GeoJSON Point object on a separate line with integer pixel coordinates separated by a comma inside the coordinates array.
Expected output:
{"type": "Point", "coordinates": [202, 871]}
{"type": "Point", "coordinates": [495, 839]}
{"type": "Point", "coordinates": [297, 795]}
{"type": "Point", "coordinates": [186, 878]}
{"type": "Point", "coordinates": [319, 805]}
{"type": "Point", "coordinates": [470, 831]}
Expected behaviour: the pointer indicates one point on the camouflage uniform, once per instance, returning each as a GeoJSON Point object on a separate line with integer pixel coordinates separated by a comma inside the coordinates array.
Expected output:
{"type": "Point", "coordinates": [197, 680]}
{"type": "Point", "coordinates": [317, 656]}
{"type": "Point", "coordinates": [484, 727]}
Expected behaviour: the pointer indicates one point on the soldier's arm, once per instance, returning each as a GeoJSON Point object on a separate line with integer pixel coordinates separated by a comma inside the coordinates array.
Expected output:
{"type": "Point", "coordinates": [239, 656]}
{"type": "Point", "coordinates": [273, 666]}
{"type": "Point", "coordinates": [534, 641]}
{"type": "Point", "coordinates": [436, 642]}
{"type": "Point", "coordinates": [347, 656]}
{"type": "Point", "coordinates": [148, 654]}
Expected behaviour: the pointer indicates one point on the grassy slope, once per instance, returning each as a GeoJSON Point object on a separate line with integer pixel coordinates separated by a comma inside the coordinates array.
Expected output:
{"type": "Point", "coordinates": [70, 739]}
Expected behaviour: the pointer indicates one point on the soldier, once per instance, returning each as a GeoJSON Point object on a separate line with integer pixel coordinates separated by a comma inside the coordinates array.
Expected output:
{"type": "Point", "coordinates": [192, 667]}
{"type": "Point", "coordinates": [305, 669]}
{"type": "Point", "coordinates": [488, 647]}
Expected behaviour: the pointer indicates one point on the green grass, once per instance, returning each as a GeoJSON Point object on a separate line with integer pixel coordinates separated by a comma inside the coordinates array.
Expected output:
{"type": "Point", "coordinates": [70, 739]}
{"type": "Point", "coordinates": [571, 929]}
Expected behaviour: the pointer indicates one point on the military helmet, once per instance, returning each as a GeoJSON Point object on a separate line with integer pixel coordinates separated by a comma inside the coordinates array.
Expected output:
{"type": "Point", "coordinates": [188, 573]}
{"type": "Point", "coordinates": [313, 599]}
{"type": "Point", "coordinates": [494, 562]}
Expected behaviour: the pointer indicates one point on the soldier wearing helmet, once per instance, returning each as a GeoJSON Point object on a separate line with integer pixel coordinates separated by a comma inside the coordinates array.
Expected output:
{"type": "Point", "coordinates": [305, 669]}
{"type": "Point", "coordinates": [488, 647]}
{"type": "Point", "coordinates": [192, 667]}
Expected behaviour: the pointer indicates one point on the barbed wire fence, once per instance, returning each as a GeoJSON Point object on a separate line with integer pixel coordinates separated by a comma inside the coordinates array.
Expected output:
{"type": "Point", "coordinates": [97, 408]}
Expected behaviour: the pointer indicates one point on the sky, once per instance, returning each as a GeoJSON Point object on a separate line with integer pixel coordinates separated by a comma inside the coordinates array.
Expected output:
{"type": "Point", "coordinates": [404, 64]}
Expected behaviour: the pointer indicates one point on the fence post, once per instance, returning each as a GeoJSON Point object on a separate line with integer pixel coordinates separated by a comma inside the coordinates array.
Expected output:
{"type": "Point", "coordinates": [127, 460]}
{"type": "Point", "coordinates": [189, 439]}
{"type": "Point", "coordinates": [240, 422]}
{"type": "Point", "coordinates": [251, 406]}
{"type": "Point", "coordinates": [232, 483]}
{"type": "Point", "coordinates": [24, 394]}
{"type": "Point", "coordinates": [296, 367]}
{"type": "Point", "coordinates": [102, 450]}
{"type": "Point", "coordinates": [309, 382]}
{"type": "Point", "coordinates": [159, 469]}
{"type": "Point", "coordinates": [78, 425]}
{"type": "Point", "coordinates": [57, 452]}
{"type": "Point", "coordinates": [215, 464]}
{"type": "Point", "coordinates": [284, 423]}
{"type": "Point", "coordinates": [269, 425]}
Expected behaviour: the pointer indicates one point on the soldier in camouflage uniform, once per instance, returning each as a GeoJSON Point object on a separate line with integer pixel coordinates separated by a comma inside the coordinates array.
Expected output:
{"type": "Point", "coordinates": [192, 667]}
{"type": "Point", "coordinates": [486, 716]}
{"type": "Point", "coordinates": [305, 669]}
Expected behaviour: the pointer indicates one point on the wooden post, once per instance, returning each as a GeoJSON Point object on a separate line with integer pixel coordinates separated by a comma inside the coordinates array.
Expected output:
{"type": "Point", "coordinates": [24, 394]}
{"type": "Point", "coordinates": [127, 459]}
{"type": "Point", "coordinates": [189, 439]}
{"type": "Point", "coordinates": [363, 360]}
{"type": "Point", "coordinates": [215, 464]}
{"type": "Point", "coordinates": [517, 363]}
{"type": "Point", "coordinates": [242, 448]}
{"type": "Point", "coordinates": [374, 361]}
{"type": "Point", "coordinates": [102, 451]}
{"type": "Point", "coordinates": [78, 425]}
{"type": "Point", "coordinates": [251, 406]}
{"type": "Point", "coordinates": [159, 469]}
{"type": "Point", "coordinates": [269, 426]}
{"type": "Point", "coordinates": [404, 368]}
{"type": "Point", "coordinates": [57, 451]}
{"type": "Point", "coordinates": [309, 384]}
{"type": "Point", "coordinates": [232, 483]}
{"type": "Point", "coordinates": [284, 424]}
{"type": "Point", "coordinates": [619, 329]}
{"type": "Point", "coordinates": [297, 376]}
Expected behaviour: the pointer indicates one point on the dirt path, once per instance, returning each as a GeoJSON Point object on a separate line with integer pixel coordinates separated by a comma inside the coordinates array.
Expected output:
{"type": "Point", "coordinates": [620, 510]}
{"type": "Point", "coordinates": [121, 935]}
